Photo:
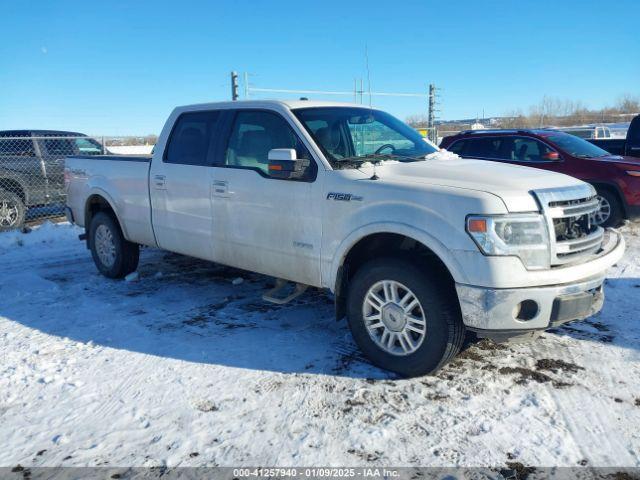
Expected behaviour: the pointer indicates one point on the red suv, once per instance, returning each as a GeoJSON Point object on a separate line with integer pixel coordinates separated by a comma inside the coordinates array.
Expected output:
{"type": "Point", "coordinates": [616, 178]}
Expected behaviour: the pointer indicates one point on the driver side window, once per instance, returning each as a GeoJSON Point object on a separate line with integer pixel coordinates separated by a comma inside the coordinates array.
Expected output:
{"type": "Point", "coordinates": [524, 149]}
{"type": "Point", "coordinates": [254, 133]}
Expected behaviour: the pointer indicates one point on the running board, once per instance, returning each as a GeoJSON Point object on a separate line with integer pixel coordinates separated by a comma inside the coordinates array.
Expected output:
{"type": "Point", "coordinates": [275, 295]}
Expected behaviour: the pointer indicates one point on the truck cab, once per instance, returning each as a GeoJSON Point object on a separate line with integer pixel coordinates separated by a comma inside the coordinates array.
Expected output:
{"type": "Point", "coordinates": [416, 245]}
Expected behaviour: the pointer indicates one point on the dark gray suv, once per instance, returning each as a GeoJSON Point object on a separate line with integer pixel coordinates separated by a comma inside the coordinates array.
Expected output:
{"type": "Point", "coordinates": [32, 172]}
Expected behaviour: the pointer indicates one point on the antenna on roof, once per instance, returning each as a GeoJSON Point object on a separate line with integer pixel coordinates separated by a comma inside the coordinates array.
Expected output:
{"type": "Point", "coordinates": [366, 57]}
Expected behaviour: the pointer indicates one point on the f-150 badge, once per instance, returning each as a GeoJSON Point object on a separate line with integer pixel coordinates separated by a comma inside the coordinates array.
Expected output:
{"type": "Point", "coordinates": [343, 197]}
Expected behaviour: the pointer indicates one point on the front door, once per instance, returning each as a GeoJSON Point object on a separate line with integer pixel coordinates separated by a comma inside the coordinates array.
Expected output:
{"type": "Point", "coordinates": [271, 226]}
{"type": "Point", "coordinates": [180, 187]}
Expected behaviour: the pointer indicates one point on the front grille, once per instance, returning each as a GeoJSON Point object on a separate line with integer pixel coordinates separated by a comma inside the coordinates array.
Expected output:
{"type": "Point", "coordinates": [569, 213]}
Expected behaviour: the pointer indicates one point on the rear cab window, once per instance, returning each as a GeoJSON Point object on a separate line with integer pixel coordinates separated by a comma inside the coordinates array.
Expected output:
{"type": "Point", "coordinates": [192, 139]}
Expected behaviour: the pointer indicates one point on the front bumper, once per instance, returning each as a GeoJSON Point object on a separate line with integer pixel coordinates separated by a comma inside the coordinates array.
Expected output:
{"type": "Point", "coordinates": [516, 310]}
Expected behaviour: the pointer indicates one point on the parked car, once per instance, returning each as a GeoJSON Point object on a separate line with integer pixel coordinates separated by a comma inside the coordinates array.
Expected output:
{"type": "Point", "coordinates": [616, 179]}
{"type": "Point", "coordinates": [31, 171]}
{"type": "Point", "coordinates": [417, 247]}
{"type": "Point", "coordinates": [629, 147]}
{"type": "Point", "coordinates": [587, 132]}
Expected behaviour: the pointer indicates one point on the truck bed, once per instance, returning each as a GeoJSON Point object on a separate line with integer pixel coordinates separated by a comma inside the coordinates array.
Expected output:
{"type": "Point", "coordinates": [121, 179]}
{"type": "Point", "coordinates": [615, 146]}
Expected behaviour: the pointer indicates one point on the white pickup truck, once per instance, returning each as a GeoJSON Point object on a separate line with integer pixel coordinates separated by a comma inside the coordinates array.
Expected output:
{"type": "Point", "coordinates": [417, 245]}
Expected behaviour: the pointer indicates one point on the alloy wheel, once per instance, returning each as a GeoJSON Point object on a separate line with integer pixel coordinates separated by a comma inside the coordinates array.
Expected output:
{"type": "Point", "coordinates": [603, 213]}
{"type": "Point", "coordinates": [105, 245]}
{"type": "Point", "coordinates": [394, 318]}
{"type": "Point", "coordinates": [8, 214]}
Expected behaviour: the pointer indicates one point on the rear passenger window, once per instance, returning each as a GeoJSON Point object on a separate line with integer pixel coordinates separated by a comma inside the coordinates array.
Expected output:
{"type": "Point", "coordinates": [487, 147]}
{"type": "Point", "coordinates": [192, 138]}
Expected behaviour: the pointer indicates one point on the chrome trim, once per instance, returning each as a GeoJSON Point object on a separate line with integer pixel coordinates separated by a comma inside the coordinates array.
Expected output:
{"type": "Point", "coordinates": [574, 210]}
{"type": "Point", "coordinates": [578, 200]}
{"type": "Point", "coordinates": [593, 240]}
{"type": "Point", "coordinates": [493, 309]}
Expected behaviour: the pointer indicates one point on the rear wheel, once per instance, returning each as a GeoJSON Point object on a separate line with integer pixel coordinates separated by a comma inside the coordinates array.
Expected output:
{"type": "Point", "coordinates": [12, 211]}
{"type": "Point", "coordinates": [402, 318]}
{"type": "Point", "coordinates": [114, 256]}
{"type": "Point", "coordinates": [609, 212]}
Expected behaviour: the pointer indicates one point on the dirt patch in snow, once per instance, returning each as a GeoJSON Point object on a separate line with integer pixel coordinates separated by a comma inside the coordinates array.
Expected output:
{"type": "Point", "coordinates": [555, 365]}
{"type": "Point", "coordinates": [366, 456]}
{"type": "Point", "coordinates": [525, 375]}
{"type": "Point", "coordinates": [517, 470]}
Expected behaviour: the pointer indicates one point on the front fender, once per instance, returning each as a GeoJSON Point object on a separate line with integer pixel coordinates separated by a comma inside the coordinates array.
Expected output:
{"type": "Point", "coordinates": [425, 238]}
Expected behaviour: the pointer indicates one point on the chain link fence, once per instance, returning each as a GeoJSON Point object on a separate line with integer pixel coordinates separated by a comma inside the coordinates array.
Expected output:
{"type": "Point", "coordinates": [32, 184]}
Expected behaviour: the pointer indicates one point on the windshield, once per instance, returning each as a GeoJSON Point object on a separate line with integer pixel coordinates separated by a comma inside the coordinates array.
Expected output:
{"type": "Point", "coordinates": [576, 146]}
{"type": "Point", "coordinates": [356, 135]}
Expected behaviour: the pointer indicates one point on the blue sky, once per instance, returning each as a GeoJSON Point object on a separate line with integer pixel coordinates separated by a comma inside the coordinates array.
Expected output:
{"type": "Point", "coordinates": [120, 67]}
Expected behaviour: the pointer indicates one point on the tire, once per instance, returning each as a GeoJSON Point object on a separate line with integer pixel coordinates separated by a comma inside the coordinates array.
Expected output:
{"type": "Point", "coordinates": [444, 331]}
{"type": "Point", "coordinates": [12, 211]}
{"type": "Point", "coordinates": [610, 213]}
{"type": "Point", "coordinates": [114, 256]}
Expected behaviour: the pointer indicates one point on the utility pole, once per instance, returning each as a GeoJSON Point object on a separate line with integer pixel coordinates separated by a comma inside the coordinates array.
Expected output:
{"type": "Point", "coordinates": [234, 86]}
{"type": "Point", "coordinates": [432, 114]}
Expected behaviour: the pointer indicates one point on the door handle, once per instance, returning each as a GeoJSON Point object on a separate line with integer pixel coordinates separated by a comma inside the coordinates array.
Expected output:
{"type": "Point", "coordinates": [220, 188]}
{"type": "Point", "coordinates": [159, 182]}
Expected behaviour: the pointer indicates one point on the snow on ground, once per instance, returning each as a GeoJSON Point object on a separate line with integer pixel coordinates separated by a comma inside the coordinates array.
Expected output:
{"type": "Point", "coordinates": [182, 367]}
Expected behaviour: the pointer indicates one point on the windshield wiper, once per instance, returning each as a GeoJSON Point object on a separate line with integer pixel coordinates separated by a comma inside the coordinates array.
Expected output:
{"type": "Point", "coordinates": [375, 157]}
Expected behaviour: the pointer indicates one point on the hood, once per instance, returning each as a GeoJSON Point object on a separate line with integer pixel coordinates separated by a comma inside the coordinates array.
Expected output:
{"type": "Point", "coordinates": [512, 183]}
{"type": "Point", "coordinates": [633, 161]}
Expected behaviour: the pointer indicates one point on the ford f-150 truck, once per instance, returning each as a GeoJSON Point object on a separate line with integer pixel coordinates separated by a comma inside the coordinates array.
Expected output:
{"type": "Point", "coordinates": [417, 245]}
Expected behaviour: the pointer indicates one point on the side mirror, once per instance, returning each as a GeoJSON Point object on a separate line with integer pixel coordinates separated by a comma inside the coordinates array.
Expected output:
{"type": "Point", "coordinates": [284, 163]}
{"type": "Point", "coordinates": [551, 156]}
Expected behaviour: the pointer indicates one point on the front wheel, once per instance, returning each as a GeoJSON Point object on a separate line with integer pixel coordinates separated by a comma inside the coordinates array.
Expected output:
{"type": "Point", "coordinates": [114, 256]}
{"type": "Point", "coordinates": [12, 211]}
{"type": "Point", "coordinates": [403, 319]}
{"type": "Point", "coordinates": [609, 213]}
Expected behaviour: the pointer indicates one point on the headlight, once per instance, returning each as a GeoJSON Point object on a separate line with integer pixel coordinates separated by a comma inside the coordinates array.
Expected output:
{"type": "Point", "coordinates": [524, 236]}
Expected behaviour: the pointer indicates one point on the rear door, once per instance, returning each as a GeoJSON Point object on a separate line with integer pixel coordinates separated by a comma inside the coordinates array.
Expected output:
{"type": "Point", "coordinates": [53, 151]}
{"type": "Point", "coordinates": [180, 186]}
{"type": "Point", "coordinates": [271, 226]}
{"type": "Point", "coordinates": [20, 165]}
